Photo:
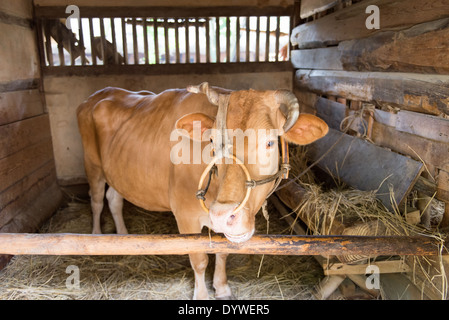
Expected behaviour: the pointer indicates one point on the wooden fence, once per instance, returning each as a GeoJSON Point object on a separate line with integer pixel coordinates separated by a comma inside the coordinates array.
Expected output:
{"type": "Point", "coordinates": [150, 37]}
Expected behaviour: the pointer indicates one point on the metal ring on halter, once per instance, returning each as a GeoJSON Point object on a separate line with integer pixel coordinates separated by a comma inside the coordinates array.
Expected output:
{"type": "Point", "coordinates": [209, 167]}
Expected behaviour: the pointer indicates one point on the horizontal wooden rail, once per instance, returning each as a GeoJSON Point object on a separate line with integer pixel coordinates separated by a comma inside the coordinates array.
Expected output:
{"type": "Point", "coordinates": [177, 244]}
{"type": "Point", "coordinates": [164, 12]}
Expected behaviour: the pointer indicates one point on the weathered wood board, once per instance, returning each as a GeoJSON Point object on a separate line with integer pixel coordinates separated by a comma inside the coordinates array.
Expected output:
{"type": "Point", "coordinates": [178, 244]}
{"type": "Point", "coordinates": [310, 7]}
{"type": "Point", "coordinates": [365, 166]}
{"type": "Point", "coordinates": [349, 23]}
{"type": "Point", "coordinates": [427, 126]}
{"type": "Point", "coordinates": [430, 151]}
{"type": "Point", "coordinates": [408, 91]}
{"type": "Point", "coordinates": [398, 51]}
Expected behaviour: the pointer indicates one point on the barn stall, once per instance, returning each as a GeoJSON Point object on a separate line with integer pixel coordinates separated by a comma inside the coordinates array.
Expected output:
{"type": "Point", "coordinates": [373, 192]}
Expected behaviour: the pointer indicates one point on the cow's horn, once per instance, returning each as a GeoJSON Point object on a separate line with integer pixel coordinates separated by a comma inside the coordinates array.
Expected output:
{"type": "Point", "coordinates": [211, 94]}
{"type": "Point", "coordinates": [289, 106]}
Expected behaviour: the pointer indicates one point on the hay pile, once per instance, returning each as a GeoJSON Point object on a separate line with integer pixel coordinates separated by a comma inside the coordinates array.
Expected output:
{"type": "Point", "coordinates": [151, 277]}
{"type": "Point", "coordinates": [344, 210]}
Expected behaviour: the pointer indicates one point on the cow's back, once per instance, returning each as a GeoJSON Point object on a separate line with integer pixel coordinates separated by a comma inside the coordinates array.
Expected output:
{"type": "Point", "coordinates": [127, 136]}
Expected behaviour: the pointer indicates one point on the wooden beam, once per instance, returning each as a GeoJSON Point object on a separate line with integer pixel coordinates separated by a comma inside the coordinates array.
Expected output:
{"type": "Point", "coordinates": [413, 92]}
{"type": "Point", "coordinates": [421, 49]}
{"type": "Point", "coordinates": [310, 7]}
{"type": "Point", "coordinates": [423, 125]}
{"type": "Point", "coordinates": [366, 166]}
{"type": "Point", "coordinates": [349, 23]}
{"type": "Point", "coordinates": [165, 12]}
{"type": "Point", "coordinates": [157, 69]}
{"type": "Point", "coordinates": [398, 51]}
{"type": "Point", "coordinates": [391, 266]}
{"type": "Point", "coordinates": [177, 244]}
{"type": "Point", "coordinates": [320, 58]}
{"type": "Point", "coordinates": [430, 151]}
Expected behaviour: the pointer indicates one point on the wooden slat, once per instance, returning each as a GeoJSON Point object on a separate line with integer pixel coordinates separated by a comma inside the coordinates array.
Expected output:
{"type": "Point", "coordinates": [320, 58]}
{"type": "Point", "coordinates": [20, 105]}
{"type": "Point", "coordinates": [165, 12]}
{"type": "Point", "coordinates": [125, 43]}
{"type": "Point", "coordinates": [393, 266]}
{"type": "Point", "coordinates": [310, 7]}
{"type": "Point", "coordinates": [92, 45]}
{"type": "Point", "coordinates": [237, 40]}
{"type": "Point", "coordinates": [167, 49]}
{"type": "Point", "coordinates": [81, 44]}
{"type": "Point", "coordinates": [89, 244]}
{"type": "Point", "coordinates": [21, 134]}
{"type": "Point", "coordinates": [22, 163]}
{"type": "Point", "coordinates": [18, 52]}
{"type": "Point", "coordinates": [208, 40]}
{"type": "Point", "coordinates": [60, 45]}
{"type": "Point", "coordinates": [278, 30]}
{"type": "Point", "coordinates": [430, 151]}
{"type": "Point", "coordinates": [157, 69]}
{"type": "Point", "coordinates": [22, 193]}
{"type": "Point", "coordinates": [197, 41]}
{"type": "Point", "coordinates": [217, 39]}
{"type": "Point", "coordinates": [267, 40]}
{"type": "Point", "coordinates": [114, 40]}
{"type": "Point", "coordinates": [156, 40]}
{"type": "Point", "coordinates": [420, 49]}
{"type": "Point", "coordinates": [349, 23]}
{"type": "Point", "coordinates": [247, 39]}
{"type": "Point", "coordinates": [365, 166]}
{"type": "Point", "coordinates": [430, 127]}
{"type": "Point", "coordinates": [103, 42]}
{"type": "Point", "coordinates": [178, 59]}
{"type": "Point", "coordinates": [18, 85]}
{"type": "Point", "coordinates": [187, 37]}
{"type": "Point", "coordinates": [26, 218]}
{"type": "Point", "coordinates": [413, 92]}
{"type": "Point", "coordinates": [228, 39]}
{"type": "Point", "coordinates": [145, 40]}
{"type": "Point", "coordinates": [135, 44]}
{"type": "Point", "coordinates": [257, 38]}
{"type": "Point", "coordinates": [48, 48]}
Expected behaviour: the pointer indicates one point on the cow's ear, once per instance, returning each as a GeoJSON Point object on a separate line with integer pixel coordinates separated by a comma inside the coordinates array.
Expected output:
{"type": "Point", "coordinates": [307, 129]}
{"type": "Point", "coordinates": [193, 125]}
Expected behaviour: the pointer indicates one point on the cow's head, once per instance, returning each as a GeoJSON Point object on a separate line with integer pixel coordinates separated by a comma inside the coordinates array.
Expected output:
{"type": "Point", "coordinates": [265, 114]}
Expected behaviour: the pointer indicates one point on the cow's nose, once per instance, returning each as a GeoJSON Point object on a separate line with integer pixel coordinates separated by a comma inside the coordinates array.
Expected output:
{"type": "Point", "coordinates": [223, 215]}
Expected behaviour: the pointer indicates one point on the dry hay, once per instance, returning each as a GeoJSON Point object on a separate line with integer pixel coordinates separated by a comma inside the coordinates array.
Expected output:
{"type": "Point", "coordinates": [151, 277]}
{"type": "Point", "coordinates": [359, 212]}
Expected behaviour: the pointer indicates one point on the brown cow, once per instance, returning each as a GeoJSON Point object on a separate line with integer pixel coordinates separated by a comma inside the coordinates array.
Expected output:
{"type": "Point", "coordinates": [128, 144]}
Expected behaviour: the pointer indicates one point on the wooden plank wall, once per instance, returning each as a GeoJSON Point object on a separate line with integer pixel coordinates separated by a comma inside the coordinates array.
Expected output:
{"type": "Point", "coordinates": [401, 70]}
{"type": "Point", "coordinates": [28, 189]}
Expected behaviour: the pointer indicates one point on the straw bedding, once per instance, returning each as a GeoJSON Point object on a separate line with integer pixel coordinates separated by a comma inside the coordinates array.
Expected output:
{"type": "Point", "coordinates": [249, 276]}
{"type": "Point", "coordinates": [151, 277]}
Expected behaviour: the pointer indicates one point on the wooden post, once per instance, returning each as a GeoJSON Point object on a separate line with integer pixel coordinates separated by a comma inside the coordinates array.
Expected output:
{"type": "Point", "coordinates": [89, 244]}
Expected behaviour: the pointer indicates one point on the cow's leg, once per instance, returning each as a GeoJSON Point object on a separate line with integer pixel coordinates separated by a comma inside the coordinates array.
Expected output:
{"type": "Point", "coordinates": [198, 261]}
{"type": "Point", "coordinates": [115, 201]}
{"type": "Point", "coordinates": [96, 192]}
{"type": "Point", "coordinates": [222, 290]}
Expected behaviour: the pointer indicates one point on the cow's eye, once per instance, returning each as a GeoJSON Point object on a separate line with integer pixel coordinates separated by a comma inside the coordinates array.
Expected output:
{"type": "Point", "coordinates": [270, 144]}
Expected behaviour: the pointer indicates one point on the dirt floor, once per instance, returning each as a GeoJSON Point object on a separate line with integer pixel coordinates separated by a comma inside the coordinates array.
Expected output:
{"type": "Point", "coordinates": [151, 277]}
